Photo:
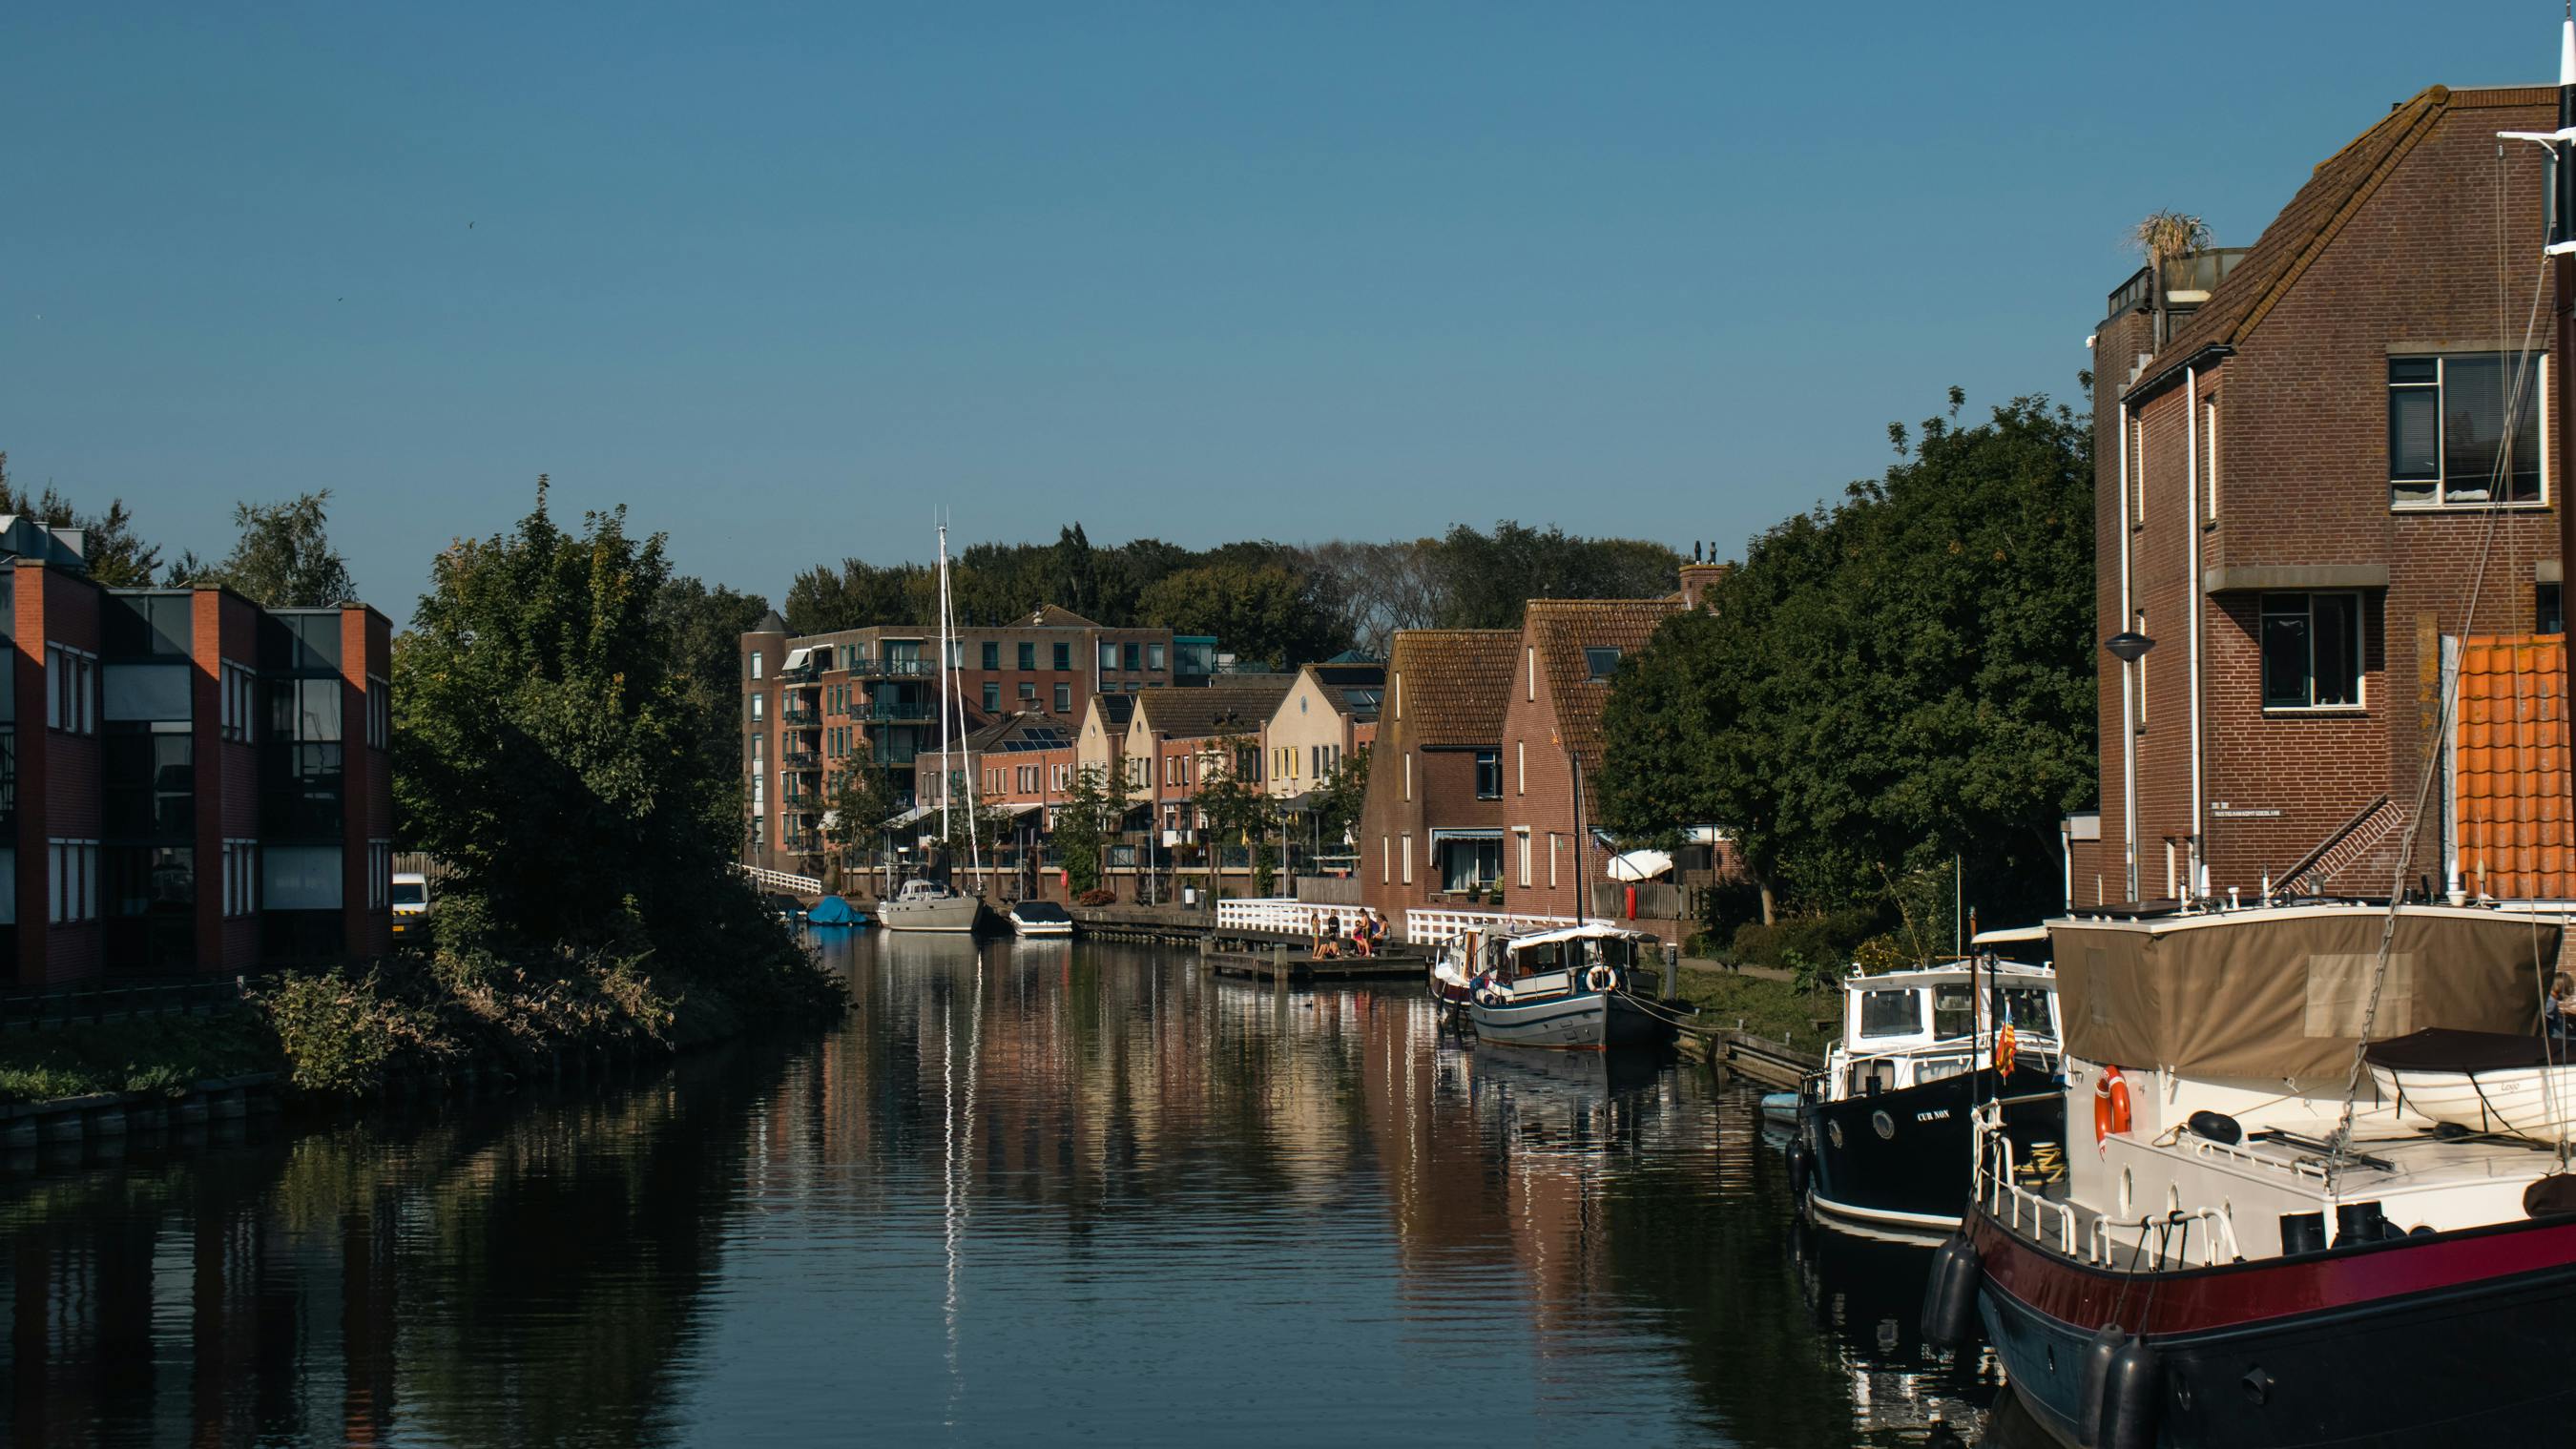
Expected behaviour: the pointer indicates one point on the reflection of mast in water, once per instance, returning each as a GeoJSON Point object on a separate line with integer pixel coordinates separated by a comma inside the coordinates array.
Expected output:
{"type": "Point", "coordinates": [953, 1168]}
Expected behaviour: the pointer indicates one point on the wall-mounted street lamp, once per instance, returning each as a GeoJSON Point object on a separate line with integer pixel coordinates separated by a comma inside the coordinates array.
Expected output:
{"type": "Point", "coordinates": [2129, 646]}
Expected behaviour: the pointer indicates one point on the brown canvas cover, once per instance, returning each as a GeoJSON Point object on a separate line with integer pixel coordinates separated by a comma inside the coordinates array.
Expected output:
{"type": "Point", "coordinates": [2280, 994]}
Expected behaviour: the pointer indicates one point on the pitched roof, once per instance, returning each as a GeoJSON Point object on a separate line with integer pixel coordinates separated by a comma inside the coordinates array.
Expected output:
{"type": "Point", "coordinates": [2510, 769]}
{"type": "Point", "coordinates": [1455, 684]}
{"type": "Point", "coordinates": [1115, 709]}
{"type": "Point", "coordinates": [1352, 687]}
{"type": "Point", "coordinates": [769, 623]}
{"type": "Point", "coordinates": [1026, 730]}
{"type": "Point", "coordinates": [1560, 630]}
{"type": "Point", "coordinates": [1240, 700]}
{"type": "Point", "coordinates": [2335, 192]}
{"type": "Point", "coordinates": [1052, 616]}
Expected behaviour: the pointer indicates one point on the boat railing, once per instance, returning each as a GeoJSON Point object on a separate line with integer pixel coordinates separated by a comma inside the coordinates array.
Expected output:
{"type": "Point", "coordinates": [2008, 1201]}
{"type": "Point", "coordinates": [2200, 1146]}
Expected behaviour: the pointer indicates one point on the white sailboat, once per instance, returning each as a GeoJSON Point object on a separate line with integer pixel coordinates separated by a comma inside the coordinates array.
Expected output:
{"type": "Point", "coordinates": [928, 905]}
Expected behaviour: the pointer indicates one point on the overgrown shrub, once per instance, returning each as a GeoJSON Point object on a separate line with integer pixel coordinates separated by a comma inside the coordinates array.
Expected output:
{"type": "Point", "coordinates": [1822, 938]}
{"type": "Point", "coordinates": [343, 1033]}
{"type": "Point", "coordinates": [1096, 896]}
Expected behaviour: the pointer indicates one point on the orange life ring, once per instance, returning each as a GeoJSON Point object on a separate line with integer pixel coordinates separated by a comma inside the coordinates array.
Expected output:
{"type": "Point", "coordinates": [2110, 1105]}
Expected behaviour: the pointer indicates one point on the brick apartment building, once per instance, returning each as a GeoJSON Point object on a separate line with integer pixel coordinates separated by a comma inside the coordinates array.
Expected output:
{"type": "Point", "coordinates": [869, 698]}
{"type": "Point", "coordinates": [191, 784]}
{"type": "Point", "coordinates": [1178, 738]}
{"type": "Point", "coordinates": [2304, 454]}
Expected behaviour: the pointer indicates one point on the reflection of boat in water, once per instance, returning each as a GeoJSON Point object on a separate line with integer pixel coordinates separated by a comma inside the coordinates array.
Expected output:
{"type": "Point", "coordinates": [1780, 1109]}
{"type": "Point", "coordinates": [1884, 1130]}
{"type": "Point", "coordinates": [1572, 988]}
{"type": "Point", "coordinates": [1589, 1075]}
{"type": "Point", "coordinates": [1866, 1293]}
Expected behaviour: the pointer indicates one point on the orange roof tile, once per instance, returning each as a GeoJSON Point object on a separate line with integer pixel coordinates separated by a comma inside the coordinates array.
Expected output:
{"type": "Point", "coordinates": [2511, 811]}
{"type": "Point", "coordinates": [1455, 684]}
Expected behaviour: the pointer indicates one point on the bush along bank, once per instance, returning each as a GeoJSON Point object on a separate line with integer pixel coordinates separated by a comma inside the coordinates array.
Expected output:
{"type": "Point", "coordinates": [474, 1003]}
{"type": "Point", "coordinates": [478, 999]}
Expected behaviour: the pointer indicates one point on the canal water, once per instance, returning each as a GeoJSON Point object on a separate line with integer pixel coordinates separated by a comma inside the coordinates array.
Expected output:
{"type": "Point", "coordinates": [1028, 1193]}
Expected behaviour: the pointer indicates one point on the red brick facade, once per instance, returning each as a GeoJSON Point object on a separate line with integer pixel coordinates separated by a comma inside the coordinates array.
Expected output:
{"type": "Point", "coordinates": [2391, 250]}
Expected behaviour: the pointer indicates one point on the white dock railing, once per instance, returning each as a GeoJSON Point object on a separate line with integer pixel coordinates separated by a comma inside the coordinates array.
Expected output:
{"type": "Point", "coordinates": [779, 880]}
{"type": "Point", "coordinates": [1282, 914]}
{"type": "Point", "coordinates": [1430, 928]}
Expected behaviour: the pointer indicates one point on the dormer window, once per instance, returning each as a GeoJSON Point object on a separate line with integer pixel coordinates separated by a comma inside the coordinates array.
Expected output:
{"type": "Point", "coordinates": [1600, 664]}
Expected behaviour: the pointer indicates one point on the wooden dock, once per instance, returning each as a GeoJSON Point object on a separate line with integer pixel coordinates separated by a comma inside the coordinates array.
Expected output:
{"type": "Point", "coordinates": [1294, 964]}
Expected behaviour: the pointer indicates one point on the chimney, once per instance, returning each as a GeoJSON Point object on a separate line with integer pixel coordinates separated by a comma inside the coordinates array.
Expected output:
{"type": "Point", "coordinates": [1698, 579]}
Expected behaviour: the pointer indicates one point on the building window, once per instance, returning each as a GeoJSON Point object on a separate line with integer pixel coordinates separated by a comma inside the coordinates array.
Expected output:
{"type": "Point", "coordinates": [1408, 860]}
{"type": "Point", "coordinates": [1029, 691]}
{"type": "Point", "coordinates": [1028, 655]}
{"type": "Point", "coordinates": [1385, 861]}
{"type": "Point", "coordinates": [380, 875]}
{"type": "Point", "coordinates": [1520, 758]}
{"type": "Point", "coordinates": [1489, 774]}
{"type": "Point", "coordinates": [2137, 447]}
{"type": "Point", "coordinates": [756, 663]}
{"type": "Point", "coordinates": [1130, 654]}
{"type": "Point", "coordinates": [237, 713]}
{"type": "Point", "coordinates": [1064, 699]}
{"type": "Point", "coordinates": [2548, 614]}
{"type": "Point", "coordinates": [992, 696]}
{"type": "Point", "coordinates": [2311, 651]}
{"type": "Point", "coordinates": [758, 707]}
{"type": "Point", "coordinates": [2455, 437]}
{"type": "Point", "coordinates": [71, 690]}
{"type": "Point", "coordinates": [1108, 655]}
{"type": "Point", "coordinates": [1521, 839]}
{"type": "Point", "coordinates": [71, 880]}
{"type": "Point", "coordinates": [380, 713]}
{"type": "Point", "coordinates": [241, 869]}
{"type": "Point", "coordinates": [1600, 664]}
{"type": "Point", "coordinates": [1063, 656]}
{"type": "Point", "coordinates": [1529, 671]}
{"type": "Point", "coordinates": [1153, 656]}
{"type": "Point", "coordinates": [1408, 775]}
{"type": "Point", "coordinates": [991, 654]}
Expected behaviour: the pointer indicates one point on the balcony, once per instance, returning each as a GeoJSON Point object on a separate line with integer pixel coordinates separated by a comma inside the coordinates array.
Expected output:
{"type": "Point", "coordinates": [871, 667]}
{"type": "Point", "coordinates": [895, 713]}
{"type": "Point", "coordinates": [801, 717]}
{"type": "Point", "coordinates": [2188, 281]}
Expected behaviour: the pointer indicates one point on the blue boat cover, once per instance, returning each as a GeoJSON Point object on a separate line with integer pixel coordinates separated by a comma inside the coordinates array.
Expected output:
{"type": "Point", "coordinates": [831, 911]}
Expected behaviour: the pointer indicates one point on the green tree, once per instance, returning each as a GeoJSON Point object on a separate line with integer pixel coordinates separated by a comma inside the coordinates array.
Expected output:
{"type": "Point", "coordinates": [1340, 796]}
{"type": "Point", "coordinates": [283, 559]}
{"type": "Point", "coordinates": [858, 593]}
{"type": "Point", "coordinates": [116, 557]}
{"type": "Point", "coordinates": [1486, 578]}
{"type": "Point", "coordinates": [1882, 685]}
{"type": "Point", "coordinates": [1266, 614]}
{"type": "Point", "coordinates": [544, 749]}
{"type": "Point", "coordinates": [855, 811]}
{"type": "Point", "coordinates": [1094, 811]}
{"type": "Point", "coordinates": [705, 623]}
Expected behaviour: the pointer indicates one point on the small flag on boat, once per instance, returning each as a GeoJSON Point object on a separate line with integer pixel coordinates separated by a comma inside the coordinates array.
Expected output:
{"type": "Point", "coordinates": [2005, 1049]}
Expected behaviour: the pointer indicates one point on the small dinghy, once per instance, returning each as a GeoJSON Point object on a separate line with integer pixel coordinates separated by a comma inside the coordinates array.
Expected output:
{"type": "Point", "coordinates": [2486, 1081]}
{"type": "Point", "coordinates": [834, 911]}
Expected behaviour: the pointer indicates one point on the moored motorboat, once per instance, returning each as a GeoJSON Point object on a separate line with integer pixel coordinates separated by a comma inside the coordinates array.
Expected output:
{"type": "Point", "coordinates": [2240, 1264]}
{"type": "Point", "coordinates": [1884, 1128]}
{"type": "Point", "coordinates": [927, 905]}
{"type": "Point", "coordinates": [1570, 988]}
{"type": "Point", "coordinates": [1040, 919]}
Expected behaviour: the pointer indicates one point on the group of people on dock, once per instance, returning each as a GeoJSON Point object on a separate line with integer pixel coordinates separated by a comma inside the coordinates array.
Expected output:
{"type": "Point", "coordinates": [1367, 935]}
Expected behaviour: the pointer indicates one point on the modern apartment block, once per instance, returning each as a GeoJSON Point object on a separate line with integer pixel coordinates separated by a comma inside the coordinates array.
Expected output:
{"type": "Point", "coordinates": [2312, 453]}
{"type": "Point", "coordinates": [869, 698]}
{"type": "Point", "coordinates": [189, 783]}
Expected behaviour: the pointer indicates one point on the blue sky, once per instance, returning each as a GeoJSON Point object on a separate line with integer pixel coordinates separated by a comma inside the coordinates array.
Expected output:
{"type": "Point", "coordinates": [785, 279]}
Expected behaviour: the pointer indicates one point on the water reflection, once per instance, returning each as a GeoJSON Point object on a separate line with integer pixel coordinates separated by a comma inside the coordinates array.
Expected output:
{"type": "Point", "coordinates": [1028, 1191]}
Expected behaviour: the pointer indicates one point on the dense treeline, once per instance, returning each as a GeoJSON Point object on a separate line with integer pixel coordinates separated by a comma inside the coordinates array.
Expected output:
{"type": "Point", "coordinates": [1269, 603]}
{"type": "Point", "coordinates": [1885, 685]}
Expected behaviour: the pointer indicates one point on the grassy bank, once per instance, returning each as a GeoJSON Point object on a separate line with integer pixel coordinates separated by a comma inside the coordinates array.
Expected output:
{"type": "Point", "coordinates": [1766, 1008]}
{"type": "Point", "coordinates": [147, 1054]}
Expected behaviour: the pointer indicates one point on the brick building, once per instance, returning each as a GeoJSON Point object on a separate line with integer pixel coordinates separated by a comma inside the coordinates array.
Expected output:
{"type": "Point", "coordinates": [815, 706]}
{"type": "Point", "coordinates": [2306, 451]}
{"type": "Point", "coordinates": [191, 784]}
{"type": "Point", "coordinates": [1176, 738]}
{"type": "Point", "coordinates": [1568, 651]}
{"type": "Point", "coordinates": [1431, 829]}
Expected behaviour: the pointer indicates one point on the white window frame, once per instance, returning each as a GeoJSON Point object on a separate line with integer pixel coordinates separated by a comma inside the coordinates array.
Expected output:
{"type": "Point", "coordinates": [2440, 502]}
{"type": "Point", "coordinates": [1520, 748]}
{"type": "Point", "coordinates": [2209, 457]}
{"type": "Point", "coordinates": [1521, 838]}
{"type": "Point", "coordinates": [757, 659]}
{"type": "Point", "coordinates": [1408, 774]}
{"type": "Point", "coordinates": [1408, 857]}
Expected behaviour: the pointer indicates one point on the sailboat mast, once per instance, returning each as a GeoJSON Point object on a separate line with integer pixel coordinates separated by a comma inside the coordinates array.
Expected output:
{"type": "Point", "coordinates": [947, 692]}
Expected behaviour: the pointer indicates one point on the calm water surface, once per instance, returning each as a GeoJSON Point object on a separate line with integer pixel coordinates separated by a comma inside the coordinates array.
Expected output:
{"type": "Point", "coordinates": [1026, 1194]}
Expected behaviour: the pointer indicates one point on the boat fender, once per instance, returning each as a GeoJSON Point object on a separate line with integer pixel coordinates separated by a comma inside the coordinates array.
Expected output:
{"type": "Point", "coordinates": [2099, 1351]}
{"type": "Point", "coordinates": [1802, 1165]}
{"type": "Point", "coordinates": [1600, 978]}
{"type": "Point", "coordinates": [1950, 1294]}
{"type": "Point", "coordinates": [2110, 1105]}
{"type": "Point", "coordinates": [2550, 1196]}
{"type": "Point", "coordinates": [2218, 1127]}
{"type": "Point", "coordinates": [2131, 1394]}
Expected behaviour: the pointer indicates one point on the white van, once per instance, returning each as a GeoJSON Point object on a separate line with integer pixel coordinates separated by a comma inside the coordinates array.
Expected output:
{"type": "Point", "coordinates": [411, 902]}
